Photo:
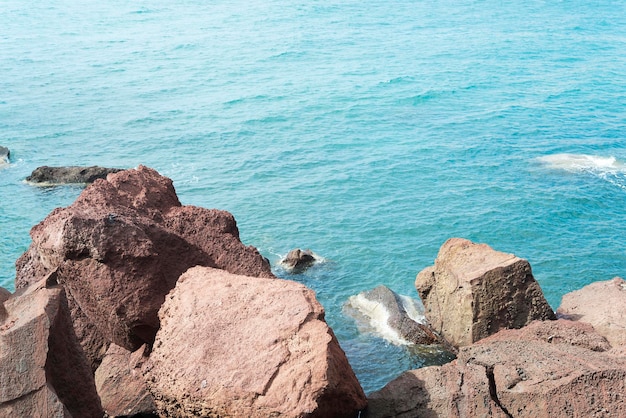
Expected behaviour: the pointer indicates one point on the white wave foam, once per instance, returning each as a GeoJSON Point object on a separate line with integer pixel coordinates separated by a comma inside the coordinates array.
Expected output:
{"type": "Point", "coordinates": [414, 309]}
{"type": "Point", "coordinates": [378, 318]}
{"type": "Point", "coordinates": [583, 162]}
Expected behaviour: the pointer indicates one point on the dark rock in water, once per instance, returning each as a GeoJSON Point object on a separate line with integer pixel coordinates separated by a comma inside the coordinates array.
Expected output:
{"type": "Point", "coordinates": [394, 317]}
{"type": "Point", "coordinates": [69, 175]}
{"type": "Point", "coordinates": [43, 369]}
{"type": "Point", "coordinates": [120, 248]}
{"type": "Point", "coordinates": [297, 261]}
{"type": "Point", "coordinates": [5, 155]}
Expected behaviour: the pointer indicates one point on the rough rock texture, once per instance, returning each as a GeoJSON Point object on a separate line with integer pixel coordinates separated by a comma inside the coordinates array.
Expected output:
{"type": "Point", "coordinates": [473, 291]}
{"type": "Point", "coordinates": [69, 175]}
{"type": "Point", "coordinates": [297, 260]}
{"type": "Point", "coordinates": [119, 249]}
{"type": "Point", "coordinates": [232, 345]}
{"type": "Point", "coordinates": [601, 304]}
{"type": "Point", "coordinates": [43, 370]}
{"type": "Point", "coordinates": [514, 376]}
{"type": "Point", "coordinates": [120, 383]}
{"type": "Point", "coordinates": [5, 155]}
{"type": "Point", "coordinates": [383, 304]}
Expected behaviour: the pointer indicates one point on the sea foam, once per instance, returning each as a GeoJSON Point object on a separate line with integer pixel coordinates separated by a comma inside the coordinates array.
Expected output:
{"type": "Point", "coordinates": [583, 162]}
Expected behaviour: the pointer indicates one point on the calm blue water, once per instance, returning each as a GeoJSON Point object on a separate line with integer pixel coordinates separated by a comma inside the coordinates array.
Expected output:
{"type": "Point", "coordinates": [367, 131]}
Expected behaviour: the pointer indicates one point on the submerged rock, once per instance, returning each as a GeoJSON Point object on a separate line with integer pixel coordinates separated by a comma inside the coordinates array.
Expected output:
{"type": "Point", "coordinates": [514, 374]}
{"type": "Point", "coordinates": [42, 366]}
{"type": "Point", "coordinates": [601, 304]}
{"type": "Point", "coordinates": [297, 260]}
{"type": "Point", "coordinates": [395, 317]}
{"type": "Point", "coordinates": [473, 291]}
{"type": "Point", "coordinates": [120, 248]}
{"type": "Point", "coordinates": [265, 350]}
{"type": "Point", "coordinates": [69, 175]}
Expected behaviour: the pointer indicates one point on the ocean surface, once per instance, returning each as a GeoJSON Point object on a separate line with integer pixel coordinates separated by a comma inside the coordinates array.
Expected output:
{"type": "Point", "coordinates": [367, 131]}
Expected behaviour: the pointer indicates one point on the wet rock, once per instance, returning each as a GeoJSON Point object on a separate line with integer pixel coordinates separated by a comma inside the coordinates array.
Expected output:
{"type": "Point", "coordinates": [601, 304]}
{"type": "Point", "coordinates": [265, 350]}
{"type": "Point", "coordinates": [5, 155]}
{"type": "Point", "coordinates": [120, 248]}
{"type": "Point", "coordinates": [395, 317]}
{"type": "Point", "coordinates": [297, 260]}
{"type": "Point", "coordinates": [120, 383]}
{"type": "Point", "coordinates": [473, 291]}
{"type": "Point", "coordinates": [48, 176]}
{"type": "Point", "coordinates": [42, 365]}
{"type": "Point", "coordinates": [513, 375]}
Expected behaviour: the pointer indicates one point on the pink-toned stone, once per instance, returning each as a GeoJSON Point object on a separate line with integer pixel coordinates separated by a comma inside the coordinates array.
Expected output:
{"type": "Point", "coordinates": [121, 246]}
{"type": "Point", "coordinates": [43, 370]}
{"type": "Point", "coordinates": [513, 375]}
{"type": "Point", "coordinates": [601, 304]}
{"type": "Point", "coordinates": [473, 291]}
{"type": "Point", "coordinates": [232, 345]}
{"type": "Point", "coordinates": [120, 383]}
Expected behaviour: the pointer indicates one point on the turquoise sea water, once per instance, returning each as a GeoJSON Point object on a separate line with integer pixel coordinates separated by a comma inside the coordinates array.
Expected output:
{"type": "Point", "coordinates": [367, 131]}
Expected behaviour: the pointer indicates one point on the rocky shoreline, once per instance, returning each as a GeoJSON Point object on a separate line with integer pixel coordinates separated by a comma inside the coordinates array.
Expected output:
{"type": "Point", "coordinates": [128, 303]}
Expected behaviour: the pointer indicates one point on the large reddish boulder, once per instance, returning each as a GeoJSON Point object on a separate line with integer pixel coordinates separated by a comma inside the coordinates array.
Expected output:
{"type": "Point", "coordinates": [534, 372]}
{"type": "Point", "coordinates": [231, 345]}
{"type": "Point", "coordinates": [601, 304]}
{"type": "Point", "coordinates": [119, 249]}
{"type": "Point", "coordinates": [473, 291]}
{"type": "Point", "coordinates": [42, 366]}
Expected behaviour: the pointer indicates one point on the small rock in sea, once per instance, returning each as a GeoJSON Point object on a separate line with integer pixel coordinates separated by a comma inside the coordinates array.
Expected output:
{"type": "Point", "coordinates": [69, 175]}
{"type": "Point", "coordinates": [297, 260]}
{"type": "Point", "coordinates": [5, 155]}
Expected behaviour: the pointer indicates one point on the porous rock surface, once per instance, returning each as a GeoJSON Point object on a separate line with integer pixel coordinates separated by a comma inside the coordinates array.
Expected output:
{"type": "Point", "coordinates": [43, 371]}
{"type": "Point", "coordinates": [231, 345]}
{"type": "Point", "coordinates": [120, 248]}
{"type": "Point", "coordinates": [601, 304]}
{"type": "Point", "coordinates": [473, 291]}
{"type": "Point", "coordinates": [69, 174]}
{"type": "Point", "coordinates": [514, 374]}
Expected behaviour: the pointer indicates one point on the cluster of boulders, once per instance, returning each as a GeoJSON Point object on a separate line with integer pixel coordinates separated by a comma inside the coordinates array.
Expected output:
{"type": "Point", "coordinates": [128, 303]}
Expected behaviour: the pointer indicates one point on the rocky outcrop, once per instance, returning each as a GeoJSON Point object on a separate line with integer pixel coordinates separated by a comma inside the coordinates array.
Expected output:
{"type": "Point", "coordinates": [49, 176]}
{"type": "Point", "coordinates": [120, 383]}
{"type": "Point", "coordinates": [297, 260]}
{"type": "Point", "coordinates": [473, 291]}
{"type": "Point", "coordinates": [394, 317]}
{"type": "Point", "coordinates": [5, 155]}
{"type": "Point", "coordinates": [42, 366]}
{"type": "Point", "coordinates": [601, 304]}
{"type": "Point", "coordinates": [265, 350]}
{"type": "Point", "coordinates": [515, 373]}
{"type": "Point", "coordinates": [120, 248]}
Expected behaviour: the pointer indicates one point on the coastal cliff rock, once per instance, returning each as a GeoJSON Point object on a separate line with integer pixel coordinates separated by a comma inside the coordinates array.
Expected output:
{"type": "Point", "coordinates": [265, 350]}
{"type": "Point", "coordinates": [473, 291]}
{"type": "Point", "coordinates": [532, 372]}
{"type": "Point", "coordinates": [601, 304]}
{"type": "Point", "coordinates": [42, 366]}
{"type": "Point", "coordinates": [120, 383]}
{"type": "Point", "coordinates": [69, 175]}
{"type": "Point", "coordinates": [394, 317]}
{"type": "Point", "coordinates": [120, 248]}
{"type": "Point", "coordinates": [297, 260]}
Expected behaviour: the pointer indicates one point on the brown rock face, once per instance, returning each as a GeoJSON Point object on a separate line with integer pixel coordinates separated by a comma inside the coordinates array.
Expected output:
{"type": "Point", "coordinates": [120, 383]}
{"type": "Point", "coordinates": [232, 345]}
{"type": "Point", "coordinates": [42, 366]}
{"type": "Point", "coordinates": [514, 375]}
{"type": "Point", "coordinates": [119, 249]}
{"type": "Point", "coordinates": [473, 291]}
{"type": "Point", "coordinates": [601, 304]}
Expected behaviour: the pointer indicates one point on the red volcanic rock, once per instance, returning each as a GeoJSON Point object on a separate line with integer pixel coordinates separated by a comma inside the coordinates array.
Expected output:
{"type": "Point", "coordinates": [473, 291]}
{"type": "Point", "coordinates": [119, 249]}
{"type": "Point", "coordinates": [232, 345]}
{"type": "Point", "coordinates": [42, 366]}
{"type": "Point", "coordinates": [513, 375]}
{"type": "Point", "coordinates": [120, 383]}
{"type": "Point", "coordinates": [601, 304]}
